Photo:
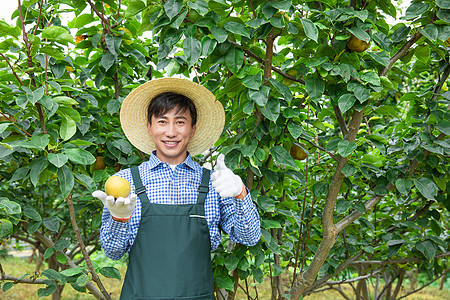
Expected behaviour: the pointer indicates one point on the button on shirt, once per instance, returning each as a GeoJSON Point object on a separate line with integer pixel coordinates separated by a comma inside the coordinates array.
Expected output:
{"type": "Point", "coordinates": [238, 218]}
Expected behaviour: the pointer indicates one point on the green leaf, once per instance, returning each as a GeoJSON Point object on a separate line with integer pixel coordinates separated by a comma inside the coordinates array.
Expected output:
{"type": "Point", "coordinates": [234, 59]}
{"type": "Point", "coordinates": [348, 170]}
{"type": "Point", "coordinates": [345, 148]}
{"type": "Point", "coordinates": [249, 149]}
{"type": "Point", "coordinates": [68, 128]}
{"type": "Point", "coordinates": [345, 102]}
{"type": "Point", "coordinates": [6, 227]}
{"type": "Point", "coordinates": [107, 60]}
{"type": "Point", "coordinates": [272, 109]}
{"type": "Point", "coordinates": [282, 89]}
{"type": "Point", "coordinates": [380, 57]}
{"type": "Point", "coordinates": [444, 127]}
{"type": "Point", "coordinates": [57, 34]}
{"type": "Point", "coordinates": [64, 100]}
{"type": "Point", "coordinates": [47, 291]}
{"type": "Point", "coordinates": [430, 31]}
{"type": "Point", "coordinates": [260, 97]}
{"type": "Point", "coordinates": [51, 223]}
{"type": "Point", "coordinates": [53, 52]}
{"type": "Point", "coordinates": [231, 262]}
{"type": "Point", "coordinates": [71, 272]}
{"type": "Point", "coordinates": [219, 34]}
{"type": "Point", "coordinates": [62, 244]}
{"type": "Point", "coordinates": [66, 180]}
{"type": "Point", "coordinates": [81, 21]}
{"type": "Point", "coordinates": [400, 34]}
{"type": "Point", "coordinates": [237, 28]}
{"type": "Point", "coordinates": [320, 188]}
{"type": "Point", "coordinates": [427, 248]}
{"type": "Point", "coordinates": [87, 181]}
{"type": "Point", "coordinates": [315, 87]}
{"type": "Point", "coordinates": [200, 6]}
{"type": "Point", "coordinates": [342, 206]}
{"type": "Point", "coordinates": [111, 272]}
{"type": "Point", "coordinates": [113, 106]}
{"type": "Point", "coordinates": [282, 156]}
{"type": "Point", "coordinates": [253, 82]}
{"type": "Point", "coordinates": [52, 275]}
{"type": "Point", "coordinates": [403, 185]}
{"type": "Point", "coordinates": [31, 213]}
{"type": "Point", "coordinates": [61, 258]}
{"type": "Point", "coordinates": [426, 187]}
{"type": "Point", "coordinates": [295, 130]}
{"type": "Point", "coordinates": [310, 28]}
{"type": "Point", "coordinates": [7, 285]}
{"type": "Point", "coordinates": [444, 15]}
{"type": "Point", "coordinates": [416, 9]}
{"type": "Point", "coordinates": [36, 167]}
{"type": "Point", "coordinates": [192, 50]}
{"type": "Point", "coordinates": [82, 280]}
{"type": "Point", "coordinates": [371, 77]}
{"type": "Point", "coordinates": [173, 7]}
{"type": "Point", "coordinates": [224, 282]}
{"type": "Point", "coordinates": [10, 207]}
{"type": "Point", "coordinates": [443, 3]}
{"type": "Point", "coordinates": [282, 4]}
{"type": "Point", "coordinates": [49, 252]}
{"type": "Point", "coordinates": [79, 156]}
{"type": "Point", "coordinates": [360, 34]}
{"type": "Point", "coordinates": [58, 159]}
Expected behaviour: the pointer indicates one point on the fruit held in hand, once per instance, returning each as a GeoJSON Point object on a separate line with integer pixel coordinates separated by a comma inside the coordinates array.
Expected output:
{"type": "Point", "coordinates": [355, 44]}
{"type": "Point", "coordinates": [117, 187]}
{"type": "Point", "coordinates": [298, 152]}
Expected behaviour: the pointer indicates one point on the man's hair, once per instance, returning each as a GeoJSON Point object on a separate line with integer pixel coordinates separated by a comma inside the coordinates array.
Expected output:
{"type": "Point", "coordinates": [165, 102]}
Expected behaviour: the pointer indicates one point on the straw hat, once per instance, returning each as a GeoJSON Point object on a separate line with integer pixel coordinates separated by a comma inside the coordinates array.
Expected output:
{"type": "Point", "coordinates": [210, 113]}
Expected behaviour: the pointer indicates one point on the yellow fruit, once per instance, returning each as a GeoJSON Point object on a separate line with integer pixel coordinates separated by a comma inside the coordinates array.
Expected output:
{"type": "Point", "coordinates": [357, 45]}
{"type": "Point", "coordinates": [99, 163]}
{"type": "Point", "coordinates": [447, 42]}
{"type": "Point", "coordinates": [445, 87]}
{"type": "Point", "coordinates": [117, 187]}
{"type": "Point", "coordinates": [298, 152]}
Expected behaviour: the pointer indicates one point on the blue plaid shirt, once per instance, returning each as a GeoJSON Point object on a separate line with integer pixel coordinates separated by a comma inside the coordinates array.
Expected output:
{"type": "Point", "coordinates": [238, 218]}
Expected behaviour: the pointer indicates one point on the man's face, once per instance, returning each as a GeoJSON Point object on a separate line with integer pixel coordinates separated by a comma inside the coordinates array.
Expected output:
{"type": "Point", "coordinates": [171, 133]}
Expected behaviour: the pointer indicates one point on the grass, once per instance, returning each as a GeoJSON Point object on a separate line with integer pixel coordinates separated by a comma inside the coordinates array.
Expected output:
{"type": "Point", "coordinates": [19, 266]}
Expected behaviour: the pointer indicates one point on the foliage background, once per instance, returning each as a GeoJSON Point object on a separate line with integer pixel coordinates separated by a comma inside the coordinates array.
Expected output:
{"type": "Point", "coordinates": [368, 202]}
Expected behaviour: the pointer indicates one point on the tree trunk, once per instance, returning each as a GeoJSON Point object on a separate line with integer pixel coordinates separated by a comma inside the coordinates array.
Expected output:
{"type": "Point", "coordinates": [54, 264]}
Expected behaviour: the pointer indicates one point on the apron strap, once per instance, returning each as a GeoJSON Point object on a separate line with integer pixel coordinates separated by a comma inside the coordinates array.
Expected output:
{"type": "Point", "coordinates": [203, 187]}
{"type": "Point", "coordinates": [139, 188]}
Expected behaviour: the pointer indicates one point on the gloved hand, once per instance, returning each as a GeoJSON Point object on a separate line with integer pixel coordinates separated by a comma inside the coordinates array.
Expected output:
{"type": "Point", "coordinates": [226, 183]}
{"type": "Point", "coordinates": [120, 208]}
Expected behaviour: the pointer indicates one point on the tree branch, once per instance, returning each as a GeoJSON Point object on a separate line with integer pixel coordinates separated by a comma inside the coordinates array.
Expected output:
{"type": "Point", "coordinates": [341, 121]}
{"type": "Point", "coordinates": [400, 53]}
{"type": "Point", "coordinates": [415, 291]}
{"type": "Point", "coordinates": [87, 259]}
{"type": "Point", "coordinates": [49, 244]}
{"type": "Point", "coordinates": [396, 261]}
{"type": "Point", "coordinates": [12, 69]}
{"type": "Point", "coordinates": [260, 60]}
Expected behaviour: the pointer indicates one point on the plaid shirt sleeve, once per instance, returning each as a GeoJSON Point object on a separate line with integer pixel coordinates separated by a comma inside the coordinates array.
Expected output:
{"type": "Point", "coordinates": [240, 220]}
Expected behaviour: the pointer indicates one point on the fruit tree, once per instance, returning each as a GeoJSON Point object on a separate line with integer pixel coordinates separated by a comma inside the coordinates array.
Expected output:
{"type": "Point", "coordinates": [358, 88]}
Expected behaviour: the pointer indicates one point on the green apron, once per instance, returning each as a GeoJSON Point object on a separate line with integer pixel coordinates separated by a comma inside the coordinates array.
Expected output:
{"type": "Point", "coordinates": [171, 256]}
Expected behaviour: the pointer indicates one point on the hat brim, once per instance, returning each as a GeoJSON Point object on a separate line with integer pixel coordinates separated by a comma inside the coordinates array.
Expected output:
{"type": "Point", "coordinates": [210, 113]}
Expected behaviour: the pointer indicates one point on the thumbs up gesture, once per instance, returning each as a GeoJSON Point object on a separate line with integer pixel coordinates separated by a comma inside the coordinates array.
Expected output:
{"type": "Point", "coordinates": [226, 183]}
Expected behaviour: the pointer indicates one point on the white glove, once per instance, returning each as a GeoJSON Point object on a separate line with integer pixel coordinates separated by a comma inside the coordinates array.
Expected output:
{"type": "Point", "coordinates": [120, 208]}
{"type": "Point", "coordinates": [226, 183]}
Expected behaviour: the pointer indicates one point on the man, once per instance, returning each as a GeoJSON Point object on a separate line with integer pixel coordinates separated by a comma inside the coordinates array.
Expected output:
{"type": "Point", "coordinates": [171, 220]}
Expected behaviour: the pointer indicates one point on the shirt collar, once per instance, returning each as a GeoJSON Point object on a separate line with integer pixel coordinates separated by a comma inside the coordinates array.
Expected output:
{"type": "Point", "coordinates": [154, 161]}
